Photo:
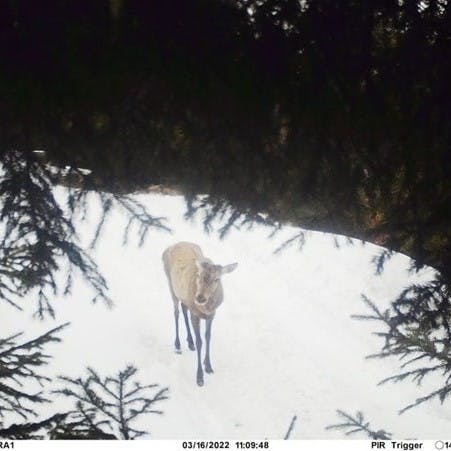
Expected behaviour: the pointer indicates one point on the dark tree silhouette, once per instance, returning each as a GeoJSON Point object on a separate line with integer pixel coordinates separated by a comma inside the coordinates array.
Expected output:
{"type": "Point", "coordinates": [22, 363]}
{"type": "Point", "coordinates": [35, 430]}
{"type": "Point", "coordinates": [104, 409]}
{"type": "Point", "coordinates": [354, 425]}
{"type": "Point", "coordinates": [417, 333]}
{"type": "Point", "coordinates": [38, 234]}
{"type": "Point", "coordinates": [38, 237]}
{"type": "Point", "coordinates": [119, 401]}
{"type": "Point", "coordinates": [331, 116]}
{"type": "Point", "coordinates": [80, 424]}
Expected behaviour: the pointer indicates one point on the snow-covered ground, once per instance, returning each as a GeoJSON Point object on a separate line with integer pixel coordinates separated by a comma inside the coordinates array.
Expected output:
{"type": "Point", "coordinates": [283, 342]}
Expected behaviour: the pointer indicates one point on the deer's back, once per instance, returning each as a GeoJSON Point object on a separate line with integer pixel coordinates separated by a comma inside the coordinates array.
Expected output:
{"type": "Point", "coordinates": [180, 267]}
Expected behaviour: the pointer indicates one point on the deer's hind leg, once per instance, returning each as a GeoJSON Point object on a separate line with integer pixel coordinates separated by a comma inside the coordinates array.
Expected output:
{"type": "Point", "coordinates": [189, 337]}
{"type": "Point", "coordinates": [176, 309]}
{"type": "Point", "coordinates": [176, 318]}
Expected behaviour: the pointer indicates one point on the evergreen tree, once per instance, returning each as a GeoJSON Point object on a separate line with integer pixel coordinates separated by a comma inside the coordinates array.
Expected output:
{"type": "Point", "coordinates": [345, 131]}
{"type": "Point", "coordinates": [333, 116]}
{"type": "Point", "coordinates": [417, 333]}
{"type": "Point", "coordinates": [104, 408]}
{"type": "Point", "coordinates": [80, 424]}
{"type": "Point", "coordinates": [38, 234]}
{"type": "Point", "coordinates": [118, 401]}
{"type": "Point", "coordinates": [38, 430]}
{"type": "Point", "coordinates": [21, 363]}
{"type": "Point", "coordinates": [356, 424]}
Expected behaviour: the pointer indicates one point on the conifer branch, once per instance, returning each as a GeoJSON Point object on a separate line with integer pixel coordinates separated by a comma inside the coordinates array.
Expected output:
{"type": "Point", "coordinates": [19, 362]}
{"type": "Point", "coordinates": [38, 233]}
{"type": "Point", "coordinates": [290, 428]}
{"type": "Point", "coordinates": [417, 332]}
{"type": "Point", "coordinates": [353, 425]}
{"type": "Point", "coordinates": [37, 430]}
{"type": "Point", "coordinates": [118, 400]}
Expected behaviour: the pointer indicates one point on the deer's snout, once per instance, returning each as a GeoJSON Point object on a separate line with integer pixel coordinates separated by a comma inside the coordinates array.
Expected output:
{"type": "Point", "coordinates": [201, 299]}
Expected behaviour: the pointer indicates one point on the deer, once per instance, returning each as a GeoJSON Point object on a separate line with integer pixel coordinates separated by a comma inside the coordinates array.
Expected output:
{"type": "Point", "coordinates": [195, 283]}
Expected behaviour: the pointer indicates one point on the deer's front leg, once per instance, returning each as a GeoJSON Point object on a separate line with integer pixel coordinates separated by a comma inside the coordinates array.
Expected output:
{"type": "Point", "coordinates": [195, 321]}
{"type": "Point", "coordinates": [207, 363]}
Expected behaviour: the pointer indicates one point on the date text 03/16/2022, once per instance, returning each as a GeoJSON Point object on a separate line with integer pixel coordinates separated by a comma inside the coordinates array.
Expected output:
{"type": "Point", "coordinates": [225, 445]}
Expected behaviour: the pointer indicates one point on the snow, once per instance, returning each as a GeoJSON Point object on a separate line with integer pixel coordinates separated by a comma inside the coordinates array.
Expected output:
{"type": "Point", "coordinates": [283, 342]}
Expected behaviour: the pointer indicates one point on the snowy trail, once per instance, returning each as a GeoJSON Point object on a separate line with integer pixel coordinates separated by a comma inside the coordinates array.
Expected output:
{"type": "Point", "coordinates": [283, 342]}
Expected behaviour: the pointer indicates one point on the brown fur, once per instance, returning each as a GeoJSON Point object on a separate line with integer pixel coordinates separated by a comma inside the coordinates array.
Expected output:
{"type": "Point", "coordinates": [194, 281]}
{"type": "Point", "coordinates": [181, 270]}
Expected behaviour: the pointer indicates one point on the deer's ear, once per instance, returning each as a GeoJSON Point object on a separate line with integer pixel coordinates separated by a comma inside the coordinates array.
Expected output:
{"type": "Point", "coordinates": [228, 268]}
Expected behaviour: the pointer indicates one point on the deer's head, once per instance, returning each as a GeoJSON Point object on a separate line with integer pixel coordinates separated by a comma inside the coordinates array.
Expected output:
{"type": "Point", "coordinates": [208, 282]}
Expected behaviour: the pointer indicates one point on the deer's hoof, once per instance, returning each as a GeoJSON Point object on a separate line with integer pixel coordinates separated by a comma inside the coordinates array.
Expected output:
{"type": "Point", "coordinates": [200, 382]}
{"type": "Point", "coordinates": [178, 351]}
{"type": "Point", "coordinates": [191, 346]}
{"type": "Point", "coordinates": [209, 369]}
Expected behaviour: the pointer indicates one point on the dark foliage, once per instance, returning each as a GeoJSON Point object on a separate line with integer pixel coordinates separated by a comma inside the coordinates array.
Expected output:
{"type": "Point", "coordinates": [38, 235]}
{"type": "Point", "coordinates": [21, 363]}
{"type": "Point", "coordinates": [35, 430]}
{"type": "Point", "coordinates": [80, 424]}
{"type": "Point", "coordinates": [118, 401]}
{"type": "Point", "coordinates": [417, 333]}
{"type": "Point", "coordinates": [104, 409]}
{"type": "Point", "coordinates": [333, 116]}
{"type": "Point", "coordinates": [353, 425]}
